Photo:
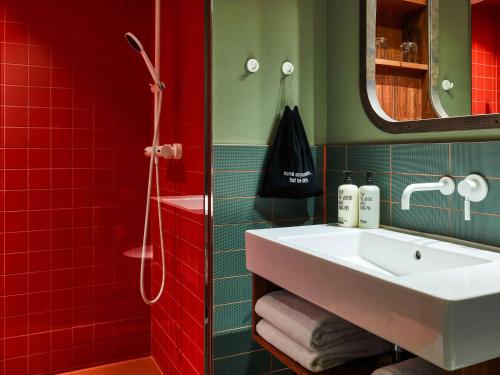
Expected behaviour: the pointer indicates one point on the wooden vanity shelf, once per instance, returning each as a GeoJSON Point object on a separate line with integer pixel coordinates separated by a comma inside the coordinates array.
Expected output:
{"type": "Point", "coordinates": [366, 366]}
{"type": "Point", "coordinates": [361, 367]}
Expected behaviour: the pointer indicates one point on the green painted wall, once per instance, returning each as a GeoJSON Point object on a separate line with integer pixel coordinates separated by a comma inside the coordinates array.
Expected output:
{"type": "Point", "coordinates": [245, 106]}
{"type": "Point", "coordinates": [347, 122]}
{"type": "Point", "coordinates": [455, 56]}
{"type": "Point", "coordinates": [322, 38]}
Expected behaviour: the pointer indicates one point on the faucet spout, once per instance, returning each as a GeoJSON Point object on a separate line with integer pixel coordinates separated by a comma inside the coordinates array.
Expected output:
{"type": "Point", "coordinates": [446, 186]}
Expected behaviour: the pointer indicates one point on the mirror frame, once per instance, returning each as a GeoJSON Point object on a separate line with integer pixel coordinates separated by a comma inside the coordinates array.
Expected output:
{"type": "Point", "coordinates": [369, 96]}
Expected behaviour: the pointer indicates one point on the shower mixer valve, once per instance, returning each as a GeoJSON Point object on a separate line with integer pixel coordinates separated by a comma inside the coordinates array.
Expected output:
{"type": "Point", "coordinates": [173, 151]}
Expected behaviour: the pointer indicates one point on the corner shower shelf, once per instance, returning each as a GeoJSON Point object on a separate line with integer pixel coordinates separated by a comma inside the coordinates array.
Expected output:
{"type": "Point", "coordinates": [136, 252]}
{"type": "Point", "coordinates": [192, 203]}
{"type": "Point", "coordinates": [400, 65]}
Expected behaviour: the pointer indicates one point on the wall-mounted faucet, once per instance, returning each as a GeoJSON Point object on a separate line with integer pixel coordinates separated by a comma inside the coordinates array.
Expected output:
{"type": "Point", "coordinates": [446, 186]}
{"type": "Point", "coordinates": [474, 189]}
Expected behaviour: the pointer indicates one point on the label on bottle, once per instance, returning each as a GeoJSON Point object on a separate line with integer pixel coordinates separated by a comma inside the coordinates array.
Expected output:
{"type": "Point", "coordinates": [344, 200]}
{"type": "Point", "coordinates": [348, 206]}
{"type": "Point", "coordinates": [365, 201]}
{"type": "Point", "coordinates": [369, 209]}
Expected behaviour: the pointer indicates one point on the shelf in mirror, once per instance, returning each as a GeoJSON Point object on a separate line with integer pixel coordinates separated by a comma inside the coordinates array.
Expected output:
{"type": "Point", "coordinates": [401, 65]}
{"type": "Point", "coordinates": [399, 7]}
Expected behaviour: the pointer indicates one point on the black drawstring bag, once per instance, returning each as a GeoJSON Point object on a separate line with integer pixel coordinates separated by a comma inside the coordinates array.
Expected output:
{"type": "Point", "coordinates": [290, 171]}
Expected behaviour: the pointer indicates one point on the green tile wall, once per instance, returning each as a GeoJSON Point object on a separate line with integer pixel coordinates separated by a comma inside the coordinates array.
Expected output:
{"type": "Point", "coordinates": [396, 166]}
{"type": "Point", "coordinates": [237, 208]}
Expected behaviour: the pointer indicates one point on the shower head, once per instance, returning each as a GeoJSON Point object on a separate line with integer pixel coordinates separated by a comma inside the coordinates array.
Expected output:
{"type": "Point", "coordinates": [134, 42]}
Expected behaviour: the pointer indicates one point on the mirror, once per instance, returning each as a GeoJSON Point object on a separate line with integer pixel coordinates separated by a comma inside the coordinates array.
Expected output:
{"type": "Point", "coordinates": [430, 65]}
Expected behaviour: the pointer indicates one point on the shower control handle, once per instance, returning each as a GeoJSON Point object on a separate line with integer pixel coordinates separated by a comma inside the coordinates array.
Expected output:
{"type": "Point", "coordinates": [173, 151]}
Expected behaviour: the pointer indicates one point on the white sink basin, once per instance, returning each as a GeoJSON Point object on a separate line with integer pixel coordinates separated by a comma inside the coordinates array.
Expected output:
{"type": "Point", "coordinates": [438, 300]}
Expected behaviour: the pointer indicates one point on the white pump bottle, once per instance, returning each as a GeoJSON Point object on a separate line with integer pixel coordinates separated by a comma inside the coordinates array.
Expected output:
{"type": "Point", "coordinates": [348, 203]}
{"type": "Point", "coordinates": [369, 204]}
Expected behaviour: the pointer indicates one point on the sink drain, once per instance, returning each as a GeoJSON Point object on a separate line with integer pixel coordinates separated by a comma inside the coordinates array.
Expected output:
{"type": "Point", "coordinates": [418, 255]}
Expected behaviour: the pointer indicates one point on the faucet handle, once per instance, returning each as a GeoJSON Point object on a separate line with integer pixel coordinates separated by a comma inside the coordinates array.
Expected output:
{"type": "Point", "coordinates": [466, 188]}
{"type": "Point", "coordinates": [448, 185]}
{"type": "Point", "coordinates": [473, 188]}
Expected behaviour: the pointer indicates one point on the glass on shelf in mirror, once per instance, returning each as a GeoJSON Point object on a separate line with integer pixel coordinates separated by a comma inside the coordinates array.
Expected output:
{"type": "Point", "coordinates": [382, 45]}
{"type": "Point", "coordinates": [409, 52]}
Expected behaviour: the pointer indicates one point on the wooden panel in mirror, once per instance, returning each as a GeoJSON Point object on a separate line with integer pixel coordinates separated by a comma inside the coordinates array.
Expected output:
{"type": "Point", "coordinates": [402, 86]}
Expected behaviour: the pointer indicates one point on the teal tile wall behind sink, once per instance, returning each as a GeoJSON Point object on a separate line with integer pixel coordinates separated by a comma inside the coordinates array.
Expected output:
{"type": "Point", "coordinates": [237, 208]}
{"type": "Point", "coordinates": [397, 166]}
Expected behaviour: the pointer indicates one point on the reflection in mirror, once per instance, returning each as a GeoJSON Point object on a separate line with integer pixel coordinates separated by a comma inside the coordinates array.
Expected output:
{"type": "Point", "coordinates": [402, 59]}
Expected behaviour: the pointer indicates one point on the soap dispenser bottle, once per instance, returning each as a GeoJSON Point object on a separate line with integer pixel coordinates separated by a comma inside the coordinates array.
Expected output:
{"type": "Point", "coordinates": [348, 203]}
{"type": "Point", "coordinates": [369, 204]}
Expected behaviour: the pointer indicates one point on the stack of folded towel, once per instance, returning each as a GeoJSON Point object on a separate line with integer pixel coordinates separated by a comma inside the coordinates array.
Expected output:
{"type": "Point", "coordinates": [311, 336]}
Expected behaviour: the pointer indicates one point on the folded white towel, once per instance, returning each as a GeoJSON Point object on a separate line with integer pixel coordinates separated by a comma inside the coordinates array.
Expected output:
{"type": "Point", "coordinates": [317, 361]}
{"type": "Point", "coordinates": [307, 324]}
{"type": "Point", "coordinates": [414, 366]}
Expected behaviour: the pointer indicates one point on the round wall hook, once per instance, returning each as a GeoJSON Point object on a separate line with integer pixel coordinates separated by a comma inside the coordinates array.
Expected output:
{"type": "Point", "coordinates": [447, 85]}
{"type": "Point", "coordinates": [287, 68]}
{"type": "Point", "coordinates": [252, 65]}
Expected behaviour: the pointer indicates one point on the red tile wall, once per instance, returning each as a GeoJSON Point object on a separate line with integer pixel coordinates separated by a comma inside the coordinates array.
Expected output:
{"type": "Point", "coordinates": [74, 117]}
{"type": "Point", "coordinates": [178, 319]}
{"type": "Point", "coordinates": [485, 59]}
